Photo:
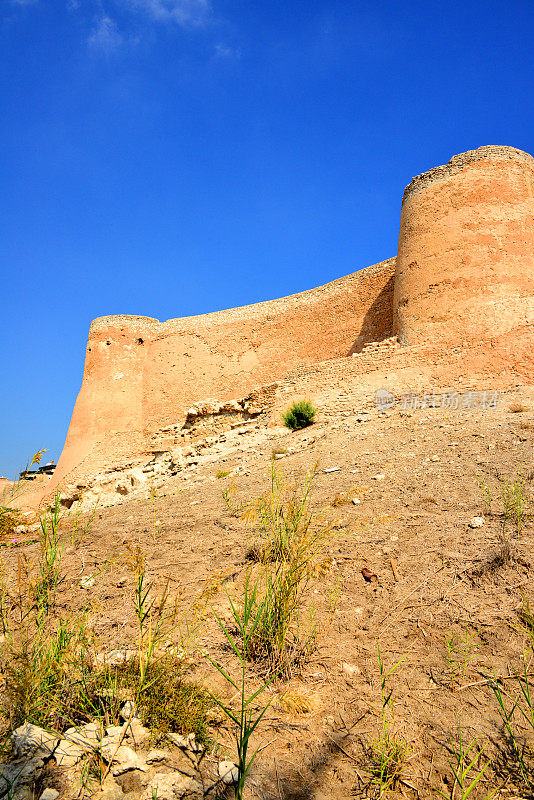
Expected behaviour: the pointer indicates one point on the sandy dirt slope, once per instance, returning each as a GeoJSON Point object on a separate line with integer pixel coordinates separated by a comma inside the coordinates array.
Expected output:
{"type": "Point", "coordinates": [416, 474]}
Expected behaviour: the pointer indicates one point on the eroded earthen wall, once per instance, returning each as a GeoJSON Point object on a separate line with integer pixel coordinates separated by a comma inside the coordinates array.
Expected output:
{"type": "Point", "coordinates": [142, 375]}
{"type": "Point", "coordinates": [110, 401]}
{"type": "Point", "coordinates": [464, 274]}
{"type": "Point", "coordinates": [465, 263]}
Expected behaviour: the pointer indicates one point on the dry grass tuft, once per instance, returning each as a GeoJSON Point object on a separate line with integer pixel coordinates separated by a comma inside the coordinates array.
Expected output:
{"type": "Point", "coordinates": [298, 701]}
{"type": "Point", "coordinates": [292, 545]}
{"type": "Point", "coordinates": [517, 408]}
{"type": "Point", "coordinates": [255, 552]}
{"type": "Point", "coordinates": [503, 556]}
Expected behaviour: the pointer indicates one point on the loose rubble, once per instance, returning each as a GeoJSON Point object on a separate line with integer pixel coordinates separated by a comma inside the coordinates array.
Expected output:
{"type": "Point", "coordinates": [121, 748]}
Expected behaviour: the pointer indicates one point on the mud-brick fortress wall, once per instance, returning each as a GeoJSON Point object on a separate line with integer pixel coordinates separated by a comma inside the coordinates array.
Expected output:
{"type": "Point", "coordinates": [465, 262]}
{"type": "Point", "coordinates": [464, 273]}
{"type": "Point", "coordinates": [141, 375]}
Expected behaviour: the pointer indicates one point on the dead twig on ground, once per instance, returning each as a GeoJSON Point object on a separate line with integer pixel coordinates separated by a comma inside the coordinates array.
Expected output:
{"type": "Point", "coordinates": [496, 680]}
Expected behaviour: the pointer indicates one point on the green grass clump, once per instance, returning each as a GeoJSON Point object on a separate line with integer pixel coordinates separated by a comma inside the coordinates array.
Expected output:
{"type": "Point", "coordinates": [184, 712]}
{"type": "Point", "coordinates": [170, 703]}
{"type": "Point", "coordinates": [292, 528]}
{"type": "Point", "coordinates": [9, 519]}
{"type": "Point", "coordinates": [48, 676]}
{"type": "Point", "coordinates": [294, 538]}
{"type": "Point", "coordinates": [299, 415]}
{"type": "Point", "coordinates": [280, 643]}
{"type": "Point", "coordinates": [51, 681]}
{"type": "Point", "coordinates": [467, 770]}
{"type": "Point", "coordinates": [166, 700]}
{"type": "Point", "coordinates": [51, 544]}
{"type": "Point", "coordinates": [52, 673]}
{"type": "Point", "coordinates": [388, 753]}
{"type": "Point", "coordinates": [514, 501]}
{"type": "Point", "coordinates": [516, 708]}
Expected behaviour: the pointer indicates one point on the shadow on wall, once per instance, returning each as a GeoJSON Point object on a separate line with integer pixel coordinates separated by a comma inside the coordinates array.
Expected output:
{"type": "Point", "coordinates": [378, 321]}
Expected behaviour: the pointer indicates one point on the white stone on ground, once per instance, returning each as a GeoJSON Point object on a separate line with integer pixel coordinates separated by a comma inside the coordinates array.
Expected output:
{"type": "Point", "coordinates": [228, 772]}
{"type": "Point", "coordinates": [170, 786]}
{"type": "Point", "coordinates": [126, 759]}
{"type": "Point", "coordinates": [31, 740]}
{"type": "Point", "coordinates": [49, 794]}
{"type": "Point", "coordinates": [127, 710]}
{"type": "Point", "coordinates": [476, 522]}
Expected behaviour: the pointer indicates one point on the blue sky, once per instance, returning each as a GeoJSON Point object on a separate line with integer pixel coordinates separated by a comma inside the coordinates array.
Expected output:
{"type": "Point", "coordinates": [174, 157]}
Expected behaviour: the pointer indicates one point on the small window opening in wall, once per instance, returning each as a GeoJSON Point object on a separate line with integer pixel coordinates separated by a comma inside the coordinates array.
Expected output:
{"type": "Point", "coordinates": [139, 341]}
{"type": "Point", "coordinates": [108, 342]}
{"type": "Point", "coordinates": [88, 349]}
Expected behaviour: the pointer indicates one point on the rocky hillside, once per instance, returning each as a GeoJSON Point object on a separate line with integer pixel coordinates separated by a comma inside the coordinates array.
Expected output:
{"type": "Point", "coordinates": [414, 548]}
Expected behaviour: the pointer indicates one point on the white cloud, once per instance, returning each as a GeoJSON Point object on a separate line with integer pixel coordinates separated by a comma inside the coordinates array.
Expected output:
{"type": "Point", "coordinates": [105, 36]}
{"type": "Point", "coordinates": [223, 51]}
{"type": "Point", "coordinates": [184, 12]}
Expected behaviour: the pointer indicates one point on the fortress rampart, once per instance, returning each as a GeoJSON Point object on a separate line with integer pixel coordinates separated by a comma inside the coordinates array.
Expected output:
{"type": "Point", "coordinates": [466, 249]}
{"type": "Point", "coordinates": [464, 273]}
{"type": "Point", "coordinates": [141, 374]}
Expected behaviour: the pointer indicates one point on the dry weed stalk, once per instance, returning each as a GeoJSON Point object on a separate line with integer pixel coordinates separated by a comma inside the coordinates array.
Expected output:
{"type": "Point", "coordinates": [294, 536]}
{"type": "Point", "coordinates": [388, 753]}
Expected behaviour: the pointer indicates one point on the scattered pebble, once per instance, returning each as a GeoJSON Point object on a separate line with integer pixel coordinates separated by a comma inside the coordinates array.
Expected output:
{"type": "Point", "coordinates": [127, 710]}
{"type": "Point", "coordinates": [476, 522]}
{"type": "Point", "coordinates": [350, 669]}
{"type": "Point", "coordinates": [228, 772]}
{"type": "Point", "coordinates": [67, 754]}
{"type": "Point", "coordinates": [49, 794]}
{"type": "Point", "coordinates": [126, 759]}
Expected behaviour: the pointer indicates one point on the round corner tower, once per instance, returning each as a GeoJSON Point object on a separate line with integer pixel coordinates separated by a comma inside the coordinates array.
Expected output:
{"type": "Point", "coordinates": [465, 263]}
{"type": "Point", "coordinates": [109, 407]}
